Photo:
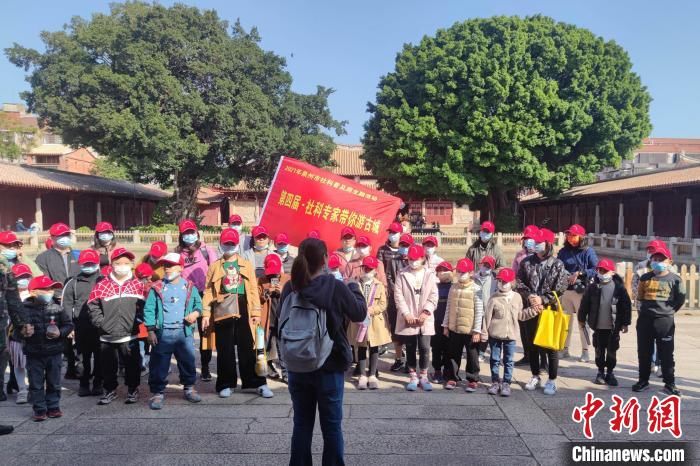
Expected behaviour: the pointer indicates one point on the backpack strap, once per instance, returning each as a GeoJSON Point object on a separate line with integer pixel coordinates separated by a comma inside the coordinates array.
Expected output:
{"type": "Point", "coordinates": [205, 253]}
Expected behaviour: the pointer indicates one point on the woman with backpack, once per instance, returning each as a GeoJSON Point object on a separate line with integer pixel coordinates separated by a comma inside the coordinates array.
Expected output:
{"type": "Point", "coordinates": [314, 296]}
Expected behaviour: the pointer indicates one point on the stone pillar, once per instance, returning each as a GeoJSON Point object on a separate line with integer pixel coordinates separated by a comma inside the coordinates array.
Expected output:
{"type": "Point", "coordinates": [98, 212]}
{"type": "Point", "coordinates": [122, 217]}
{"type": "Point", "coordinates": [71, 214]}
{"type": "Point", "coordinates": [143, 221]}
{"type": "Point", "coordinates": [576, 220]}
{"type": "Point", "coordinates": [650, 219]}
{"type": "Point", "coordinates": [38, 214]}
{"type": "Point", "coordinates": [688, 230]}
{"type": "Point", "coordinates": [596, 227]}
{"type": "Point", "coordinates": [621, 219]}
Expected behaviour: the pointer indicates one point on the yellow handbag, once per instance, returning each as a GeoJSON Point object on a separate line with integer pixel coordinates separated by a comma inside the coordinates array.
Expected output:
{"type": "Point", "coordinates": [552, 327]}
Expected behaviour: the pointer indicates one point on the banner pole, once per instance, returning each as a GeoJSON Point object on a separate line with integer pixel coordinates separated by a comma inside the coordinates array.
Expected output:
{"type": "Point", "coordinates": [269, 191]}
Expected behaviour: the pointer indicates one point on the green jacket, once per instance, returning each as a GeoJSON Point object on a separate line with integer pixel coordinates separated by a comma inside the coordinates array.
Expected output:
{"type": "Point", "coordinates": [153, 309]}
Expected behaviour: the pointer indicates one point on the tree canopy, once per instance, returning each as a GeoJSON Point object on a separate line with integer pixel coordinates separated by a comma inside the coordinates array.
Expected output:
{"type": "Point", "coordinates": [490, 105]}
{"type": "Point", "coordinates": [176, 96]}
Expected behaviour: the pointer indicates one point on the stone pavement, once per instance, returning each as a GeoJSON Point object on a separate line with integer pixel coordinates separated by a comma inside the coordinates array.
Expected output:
{"type": "Point", "coordinates": [384, 427]}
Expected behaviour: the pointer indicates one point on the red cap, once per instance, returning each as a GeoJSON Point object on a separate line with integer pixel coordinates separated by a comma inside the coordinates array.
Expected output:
{"type": "Point", "coordinates": [333, 261]}
{"type": "Point", "coordinates": [488, 260]}
{"type": "Point", "coordinates": [506, 274]}
{"type": "Point", "coordinates": [465, 265]}
{"type": "Point", "coordinates": [655, 243]}
{"type": "Point", "coordinates": [103, 226]}
{"type": "Point", "coordinates": [488, 226]}
{"type": "Point", "coordinates": [42, 282]}
{"type": "Point", "coordinates": [444, 265]}
{"type": "Point", "coordinates": [59, 229]}
{"type": "Point", "coordinates": [545, 236]}
{"type": "Point", "coordinates": [273, 264]}
{"type": "Point", "coordinates": [363, 240]}
{"type": "Point", "coordinates": [259, 231]}
{"type": "Point", "coordinates": [431, 239]}
{"type": "Point", "coordinates": [89, 256]}
{"type": "Point", "coordinates": [347, 231]}
{"type": "Point", "coordinates": [9, 237]}
{"type": "Point", "coordinates": [21, 270]}
{"type": "Point", "coordinates": [416, 252]}
{"type": "Point", "coordinates": [370, 262]}
{"type": "Point", "coordinates": [229, 235]}
{"type": "Point", "coordinates": [395, 227]}
{"type": "Point", "coordinates": [48, 243]}
{"type": "Point", "coordinates": [281, 238]}
{"type": "Point", "coordinates": [187, 225]}
{"type": "Point", "coordinates": [576, 229]}
{"type": "Point", "coordinates": [530, 232]}
{"type": "Point", "coordinates": [606, 264]}
{"type": "Point", "coordinates": [172, 258]}
{"type": "Point", "coordinates": [407, 238]}
{"type": "Point", "coordinates": [121, 252]}
{"type": "Point", "coordinates": [235, 218]}
{"type": "Point", "coordinates": [314, 234]}
{"type": "Point", "coordinates": [143, 271]}
{"type": "Point", "coordinates": [664, 251]}
{"type": "Point", "coordinates": [158, 249]}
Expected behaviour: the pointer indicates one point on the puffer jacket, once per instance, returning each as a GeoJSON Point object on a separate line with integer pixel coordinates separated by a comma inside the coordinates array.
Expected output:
{"type": "Point", "coordinates": [502, 315]}
{"type": "Point", "coordinates": [621, 305]}
{"type": "Point", "coordinates": [479, 250]}
{"type": "Point", "coordinates": [541, 277]}
{"type": "Point", "coordinates": [465, 309]}
{"type": "Point", "coordinates": [39, 315]}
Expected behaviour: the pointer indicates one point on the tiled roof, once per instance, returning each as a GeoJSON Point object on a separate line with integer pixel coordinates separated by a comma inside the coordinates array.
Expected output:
{"type": "Point", "coordinates": [27, 176]}
{"type": "Point", "coordinates": [663, 179]}
{"type": "Point", "coordinates": [348, 162]}
{"type": "Point", "coordinates": [669, 145]}
{"type": "Point", "coordinates": [51, 149]}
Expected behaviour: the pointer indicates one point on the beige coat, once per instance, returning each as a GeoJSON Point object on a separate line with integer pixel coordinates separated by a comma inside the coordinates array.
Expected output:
{"type": "Point", "coordinates": [378, 332]}
{"type": "Point", "coordinates": [501, 316]}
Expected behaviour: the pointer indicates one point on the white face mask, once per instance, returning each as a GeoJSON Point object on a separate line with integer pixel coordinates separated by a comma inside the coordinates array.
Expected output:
{"type": "Point", "coordinates": [484, 271]}
{"type": "Point", "coordinates": [415, 265]}
{"type": "Point", "coordinates": [238, 228]}
{"type": "Point", "coordinates": [394, 237]}
{"type": "Point", "coordinates": [540, 247]}
{"type": "Point", "coordinates": [172, 276]}
{"type": "Point", "coordinates": [121, 270]}
{"type": "Point", "coordinates": [465, 277]}
{"type": "Point", "coordinates": [368, 276]}
{"type": "Point", "coordinates": [364, 251]}
{"type": "Point", "coordinates": [430, 251]}
{"type": "Point", "coordinates": [229, 250]}
{"type": "Point", "coordinates": [505, 287]}
{"type": "Point", "coordinates": [604, 277]}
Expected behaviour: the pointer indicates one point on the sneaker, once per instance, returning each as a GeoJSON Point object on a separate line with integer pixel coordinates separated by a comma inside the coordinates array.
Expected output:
{"type": "Point", "coordinates": [671, 389]}
{"type": "Point", "coordinates": [425, 384]}
{"type": "Point", "coordinates": [584, 357]}
{"type": "Point", "coordinates": [191, 395]}
{"type": "Point", "coordinates": [611, 380]}
{"type": "Point", "coordinates": [398, 365]}
{"type": "Point", "coordinates": [494, 388]}
{"type": "Point", "coordinates": [39, 416]}
{"type": "Point", "coordinates": [533, 383]}
{"type": "Point", "coordinates": [436, 376]}
{"type": "Point", "coordinates": [107, 398]}
{"type": "Point", "coordinates": [54, 413]}
{"type": "Point", "coordinates": [373, 382]}
{"type": "Point", "coordinates": [599, 379]}
{"type": "Point", "coordinates": [206, 375]}
{"type": "Point", "coordinates": [522, 362]}
{"type": "Point", "coordinates": [565, 354]}
{"type": "Point", "coordinates": [405, 369]}
{"type": "Point", "coordinates": [132, 397]}
{"type": "Point", "coordinates": [640, 386]}
{"type": "Point", "coordinates": [505, 389]}
{"type": "Point", "coordinates": [412, 384]}
{"type": "Point", "coordinates": [550, 388]}
{"type": "Point", "coordinates": [362, 383]}
{"type": "Point", "coordinates": [265, 392]}
{"type": "Point", "coordinates": [84, 391]}
{"type": "Point", "coordinates": [22, 397]}
{"type": "Point", "coordinates": [659, 372]}
{"type": "Point", "coordinates": [450, 385]}
{"type": "Point", "coordinates": [156, 401]}
{"type": "Point", "coordinates": [471, 387]}
{"type": "Point", "coordinates": [225, 393]}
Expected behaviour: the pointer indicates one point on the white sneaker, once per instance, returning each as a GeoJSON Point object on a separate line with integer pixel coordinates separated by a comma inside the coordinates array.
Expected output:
{"type": "Point", "coordinates": [565, 354]}
{"type": "Point", "coordinates": [265, 392]}
{"type": "Point", "coordinates": [584, 357]}
{"type": "Point", "coordinates": [658, 371]}
{"type": "Point", "coordinates": [550, 388]}
{"type": "Point", "coordinates": [22, 396]}
{"type": "Point", "coordinates": [225, 393]}
{"type": "Point", "coordinates": [533, 383]}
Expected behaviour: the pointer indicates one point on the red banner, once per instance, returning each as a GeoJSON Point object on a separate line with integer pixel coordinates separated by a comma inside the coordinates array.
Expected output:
{"type": "Point", "coordinates": [304, 198]}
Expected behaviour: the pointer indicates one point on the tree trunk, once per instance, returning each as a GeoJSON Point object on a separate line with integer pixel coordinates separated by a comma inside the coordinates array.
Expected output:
{"type": "Point", "coordinates": [497, 200]}
{"type": "Point", "coordinates": [185, 197]}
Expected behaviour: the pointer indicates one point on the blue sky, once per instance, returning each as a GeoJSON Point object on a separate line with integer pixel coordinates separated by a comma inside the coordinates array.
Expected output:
{"type": "Point", "coordinates": [349, 45]}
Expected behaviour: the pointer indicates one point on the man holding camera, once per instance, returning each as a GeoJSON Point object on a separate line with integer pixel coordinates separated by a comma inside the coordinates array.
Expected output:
{"type": "Point", "coordinates": [581, 262]}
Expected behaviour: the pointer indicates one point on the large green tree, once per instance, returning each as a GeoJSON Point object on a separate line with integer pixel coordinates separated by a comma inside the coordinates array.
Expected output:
{"type": "Point", "coordinates": [491, 105]}
{"type": "Point", "coordinates": [176, 96]}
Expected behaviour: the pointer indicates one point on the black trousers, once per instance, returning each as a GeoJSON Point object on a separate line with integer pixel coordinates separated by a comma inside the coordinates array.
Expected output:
{"type": "Point", "coordinates": [69, 353]}
{"type": "Point", "coordinates": [204, 355]}
{"type": "Point", "coordinates": [438, 345]}
{"type": "Point", "coordinates": [232, 334]}
{"type": "Point", "coordinates": [44, 373]}
{"type": "Point", "coordinates": [422, 344]}
{"type": "Point", "coordinates": [88, 343]}
{"type": "Point", "coordinates": [536, 352]}
{"type": "Point", "coordinates": [606, 344]}
{"type": "Point", "coordinates": [455, 345]}
{"type": "Point", "coordinates": [660, 329]}
{"type": "Point", "coordinates": [130, 355]}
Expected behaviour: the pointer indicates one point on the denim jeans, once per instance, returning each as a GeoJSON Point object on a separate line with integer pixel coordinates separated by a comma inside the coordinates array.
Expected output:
{"type": "Point", "coordinates": [44, 381]}
{"type": "Point", "coordinates": [308, 390]}
{"type": "Point", "coordinates": [508, 348]}
{"type": "Point", "coordinates": [172, 341]}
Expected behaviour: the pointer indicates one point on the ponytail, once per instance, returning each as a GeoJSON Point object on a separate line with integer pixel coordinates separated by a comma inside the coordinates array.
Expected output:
{"type": "Point", "coordinates": [312, 256]}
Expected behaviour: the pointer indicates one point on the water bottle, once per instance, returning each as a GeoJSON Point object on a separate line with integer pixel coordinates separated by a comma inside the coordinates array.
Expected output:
{"type": "Point", "coordinates": [52, 329]}
{"type": "Point", "coordinates": [260, 358]}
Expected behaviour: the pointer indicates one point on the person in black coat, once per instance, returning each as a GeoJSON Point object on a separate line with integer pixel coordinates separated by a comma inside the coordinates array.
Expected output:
{"type": "Point", "coordinates": [10, 306]}
{"type": "Point", "coordinates": [607, 308]}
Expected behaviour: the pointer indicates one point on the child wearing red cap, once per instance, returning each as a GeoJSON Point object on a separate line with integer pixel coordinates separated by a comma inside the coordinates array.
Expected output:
{"type": "Point", "coordinates": [462, 324]}
{"type": "Point", "coordinates": [438, 342]}
{"type": "Point", "coordinates": [432, 259]}
{"type": "Point", "coordinates": [485, 279]}
{"type": "Point", "coordinates": [47, 325]}
{"type": "Point", "coordinates": [59, 263]}
{"type": "Point", "coordinates": [501, 325]}
{"type": "Point", "coordinates": [528, 243]}
{"type": "Point", "coordinates": [416, 297]}
{"type": "Point", "coordinates": [104, 241]}
{"type": "Point", "coordinates": [282, 250]}
{"type": "Point", "coordinates": [661, 294]}
{"type": "Point", "coordinates": [18, 361]}
{"type": "Point", "coordinates": [369, 335]}
{"type": "Point", "coordinates": [270, 289]}
{"type": "Point", "coordinates": [607, 309]}
{"type": "Point", "coordinates": [75, 295]}
{"type": "Point", "coordinates": [486, 245]}
{"type": "Point", "coordinates": [347, 252]}
{"type": "Point", "coordinates": [155, 253]}
{"type": "Point", "coordinates": [364, 250]}
{"type": "Point", "coordinates": [11, 249]}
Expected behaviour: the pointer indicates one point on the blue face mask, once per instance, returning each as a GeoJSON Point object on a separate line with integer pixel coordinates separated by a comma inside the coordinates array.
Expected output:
{"type": "Point", "coordinates": [44, 298]}
{"type": "Point", "coordinates": [10, 254]}
{"type": "Point", "coordinates": [485, 236]}
{"type": "Point", "coordinates": [403, 250]}
{"type": "Point", "coordinates": [529, 244]}
{"type": "Point", "coordinates": [283, 249]}
{"type": "Point", "coordinates": [189, 238]}
{"type": "Point", "coordinates": [23, 283]}
{"type": "Point", "coordinates": [229, 250]}
{"type": "Point", "coordinates": [659, 267]}
{"type": "Point", "coordinates": [89, 269]}
{"type": "Point", "coordinates": [105, 237]}
{"type": "Point", "coordinates": [63, 241]}
{"type": "Point", "coordinates": [540, 247]}
{"type": "Point", "coordinates": [338, 275]}
{"type": "Point", "coordinates": [347, 249]}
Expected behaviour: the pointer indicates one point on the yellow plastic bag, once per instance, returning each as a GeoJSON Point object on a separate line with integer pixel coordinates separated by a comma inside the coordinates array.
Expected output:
{"type": "Point", "coordinates": [552, 327]}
